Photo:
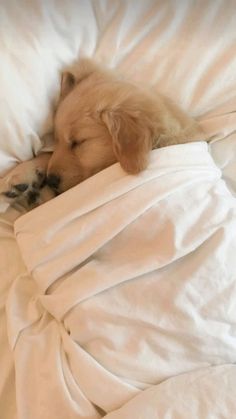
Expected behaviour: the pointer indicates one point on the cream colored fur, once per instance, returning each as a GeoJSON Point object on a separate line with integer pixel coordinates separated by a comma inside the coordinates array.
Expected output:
{"type": "Point", "coordinates": [103, 118]}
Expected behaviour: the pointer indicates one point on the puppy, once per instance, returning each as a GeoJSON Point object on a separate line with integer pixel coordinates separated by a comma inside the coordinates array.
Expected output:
{"type": "Point", "coordinates": [102, 118]}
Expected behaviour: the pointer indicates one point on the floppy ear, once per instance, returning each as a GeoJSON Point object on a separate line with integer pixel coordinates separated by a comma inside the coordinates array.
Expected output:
{"type": "Point", "coordinates": [75, 74]}
{"type": "Point", "coordinates": [68, 81]}
{"type": "Point", "coordinates": [132, 137]}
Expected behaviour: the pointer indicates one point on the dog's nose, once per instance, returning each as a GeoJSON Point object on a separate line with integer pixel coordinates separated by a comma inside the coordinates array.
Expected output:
{"type": "Point", "coordinates": [53, 181]}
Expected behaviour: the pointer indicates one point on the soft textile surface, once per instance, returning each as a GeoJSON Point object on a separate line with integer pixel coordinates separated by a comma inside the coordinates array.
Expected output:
{"type": "Point", "coordinates": [208, 394]}
{"type": "Point", "coordinates": [129, 281]}
{"type": "Point", "coordinates": [184, 48]}
{"type": "Point", "coordinates": [10, 265]}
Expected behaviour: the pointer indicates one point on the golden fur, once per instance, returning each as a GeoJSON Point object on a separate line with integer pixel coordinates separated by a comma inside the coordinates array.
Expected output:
{"type": "Point", "coordinates": [102, 118]}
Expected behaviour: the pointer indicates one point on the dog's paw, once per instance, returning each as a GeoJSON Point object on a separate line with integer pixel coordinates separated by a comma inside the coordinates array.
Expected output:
{"type": "Point", "coordinates": [20, 187]}
{"type": "Point", "coordinates": [23, 184]}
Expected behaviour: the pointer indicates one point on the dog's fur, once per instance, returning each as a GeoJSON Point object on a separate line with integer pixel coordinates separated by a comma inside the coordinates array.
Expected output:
{"type": "Point", "coordinates": [101, 118]}
{"type": "Point", "coordinates": [24, 186]}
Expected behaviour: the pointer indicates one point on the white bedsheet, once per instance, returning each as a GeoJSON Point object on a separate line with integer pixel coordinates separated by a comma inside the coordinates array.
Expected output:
{"type": "Point", "coordinates": [133, 286]}
{"type": "Point", "coordinates": [208, 393]}
{"type": "Point", "coordinates": [186, 49]}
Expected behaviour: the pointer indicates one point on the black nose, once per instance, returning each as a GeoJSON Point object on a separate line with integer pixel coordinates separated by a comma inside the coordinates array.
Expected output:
{"type": "Point", "coordinates": [53, 181]}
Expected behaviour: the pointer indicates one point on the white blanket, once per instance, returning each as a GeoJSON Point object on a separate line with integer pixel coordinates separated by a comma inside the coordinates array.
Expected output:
{"type": "Point", "coordinates": [128, 281]}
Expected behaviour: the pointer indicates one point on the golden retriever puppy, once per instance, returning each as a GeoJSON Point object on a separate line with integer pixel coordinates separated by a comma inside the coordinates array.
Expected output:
{"type": "Point", "coordinates": [102, 118]}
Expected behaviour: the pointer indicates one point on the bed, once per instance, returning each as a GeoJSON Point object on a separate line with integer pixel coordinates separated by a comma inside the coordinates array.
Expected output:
{"type": "Point", "coordinates": [118, 296]}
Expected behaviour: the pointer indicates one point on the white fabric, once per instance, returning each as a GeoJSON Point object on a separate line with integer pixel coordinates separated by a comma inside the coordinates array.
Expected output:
{"type": "Point", "coordinates": [37, 38]}
{"type": "Point", "coordinates": [10, 266]}
{"type": "Point", "coordinates": [129, 281]}
{"type": "Point", "coordinates": [184, 48]}
{"type": "Point", "coordinates": [208, 394]}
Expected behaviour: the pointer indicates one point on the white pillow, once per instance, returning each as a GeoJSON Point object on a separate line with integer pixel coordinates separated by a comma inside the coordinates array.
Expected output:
{"type": "Point", "coordinates": [187, 51]}
{"type": "Point", "coordinates": [37, 39]}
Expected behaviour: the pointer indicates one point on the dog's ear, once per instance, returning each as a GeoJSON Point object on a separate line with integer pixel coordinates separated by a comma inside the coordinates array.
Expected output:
{"type": "Point", "coordinates": [68, 81]}
{"type": "Point", "coordinates": [132, 135]}
{"type": "Point", "coordinates": [75, 74]}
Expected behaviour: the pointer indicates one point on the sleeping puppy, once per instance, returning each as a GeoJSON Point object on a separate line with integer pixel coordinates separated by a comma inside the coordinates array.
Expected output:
{"type": "Point", "coordinates": [101, 118]}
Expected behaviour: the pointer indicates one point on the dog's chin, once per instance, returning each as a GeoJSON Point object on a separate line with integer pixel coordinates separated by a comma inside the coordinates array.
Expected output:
{"type": "Point", "coordinates": [68, 184]}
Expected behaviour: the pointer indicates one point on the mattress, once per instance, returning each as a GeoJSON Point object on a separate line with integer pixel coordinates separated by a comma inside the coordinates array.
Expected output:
{"type": "Point", "coordinates": [120, 302]}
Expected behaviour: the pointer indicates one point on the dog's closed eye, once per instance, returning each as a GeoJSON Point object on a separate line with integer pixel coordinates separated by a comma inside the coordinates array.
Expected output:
{"type": "Point", "coordinates": [76, 143]}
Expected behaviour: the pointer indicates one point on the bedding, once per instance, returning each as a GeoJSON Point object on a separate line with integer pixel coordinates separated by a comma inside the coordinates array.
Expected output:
{"type": "Point", "coordinates": [133, 287]}
{"type": "Point", "coordinates": [117, 297]}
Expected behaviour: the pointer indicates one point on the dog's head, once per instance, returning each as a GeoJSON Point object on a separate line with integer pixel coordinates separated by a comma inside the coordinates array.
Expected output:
{"type": "Point", "coordinates": [100, 120]}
